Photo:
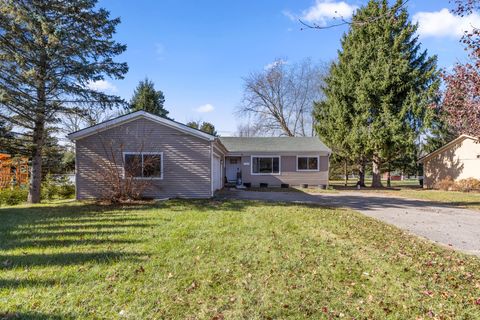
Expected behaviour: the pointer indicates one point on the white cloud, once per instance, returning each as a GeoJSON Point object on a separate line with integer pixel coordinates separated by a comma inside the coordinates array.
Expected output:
{"type": "Point", "coordinates": [205, 108]}
{"type": "Point", "coordinates": [289, 15]}
{"type": "Point", "coordinates": [102, 85]}
{"type": "Point", "coordinates": [324, 10]}
{"type": "Point", "coordinates": [445, 24]}
{"type": "Point", "coordinates": [275, 63]}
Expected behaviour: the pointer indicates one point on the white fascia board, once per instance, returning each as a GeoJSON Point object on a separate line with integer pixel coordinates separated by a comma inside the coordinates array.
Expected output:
{"type": "Point", "coordinates": [137, 115]}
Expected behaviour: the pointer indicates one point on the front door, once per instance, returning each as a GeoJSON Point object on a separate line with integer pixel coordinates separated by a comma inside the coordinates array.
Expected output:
{"type": "Point", "coordinates": [232, 166]}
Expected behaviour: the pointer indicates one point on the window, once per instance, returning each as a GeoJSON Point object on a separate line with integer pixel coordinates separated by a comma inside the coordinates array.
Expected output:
{"type": "Point", "coordinates": [307, 163]}
{"type": "Point", "coordinates": [266, 165]}
{"type": "Point", "coordinates": [143, 164]}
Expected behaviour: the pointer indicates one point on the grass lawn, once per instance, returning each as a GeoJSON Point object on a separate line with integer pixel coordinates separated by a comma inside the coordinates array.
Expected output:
{"type": "Point", "coordinates": [410, 189]}
{"type": "Point", "coordinates": [224, 260]}
{"type": "Point", "coordinates": [469, 200]}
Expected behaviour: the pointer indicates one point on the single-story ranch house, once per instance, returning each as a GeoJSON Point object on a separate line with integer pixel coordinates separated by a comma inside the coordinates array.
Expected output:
{"type": "Point", "coordinates": [458, 159]}
{"type": "Point", "coordinates": [178, 161]}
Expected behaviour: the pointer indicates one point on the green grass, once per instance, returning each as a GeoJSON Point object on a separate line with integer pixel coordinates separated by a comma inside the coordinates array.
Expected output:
{"type": "Point", "coordinates": [411, 189]}
{"type": "Point", "coordinates": [469, 200]}
{"type": "Point", "coordinates": [216, 260]}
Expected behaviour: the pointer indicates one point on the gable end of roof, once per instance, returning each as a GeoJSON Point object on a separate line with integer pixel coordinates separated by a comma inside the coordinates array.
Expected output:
{"type": "Point", "coordinates": [446, 147]}
{"type": "Point", "coordinates": [135, 116]}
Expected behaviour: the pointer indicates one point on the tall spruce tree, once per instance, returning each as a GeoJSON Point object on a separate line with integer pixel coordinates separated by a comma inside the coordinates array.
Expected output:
{"type": "Point", "coordinates": [146, 98]}
{"type": "Point", "coordinates": [379, 91]}
{"type": "Point", "coordinates": [50, 54]}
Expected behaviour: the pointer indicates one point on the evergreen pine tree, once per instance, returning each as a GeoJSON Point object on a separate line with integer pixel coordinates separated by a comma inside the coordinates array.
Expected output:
{"type": "Point", "coordinates": [379, 91]}
{"type": "Point", "coordinates": [208, 128]}
{"type": "Point", "coordinates": [50, 54]}
{"type": "Point", "coordinates": [146, 98]}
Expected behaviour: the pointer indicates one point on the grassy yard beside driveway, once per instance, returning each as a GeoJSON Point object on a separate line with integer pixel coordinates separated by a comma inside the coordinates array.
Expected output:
{"type": "Point", "coordinates": [410, 189]}
{"type": "Point", "coordinates": [231, 259]}
{"type": "Point", "coordinates": [469, 200]}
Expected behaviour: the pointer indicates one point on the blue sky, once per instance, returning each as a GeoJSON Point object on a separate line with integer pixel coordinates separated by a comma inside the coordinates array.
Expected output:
{"type": "Point", "coordinates": [197, 52]}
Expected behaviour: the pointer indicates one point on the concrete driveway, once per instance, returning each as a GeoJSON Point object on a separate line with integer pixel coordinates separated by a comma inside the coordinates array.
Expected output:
{"type": "Point", "coordinates": [453, 227]}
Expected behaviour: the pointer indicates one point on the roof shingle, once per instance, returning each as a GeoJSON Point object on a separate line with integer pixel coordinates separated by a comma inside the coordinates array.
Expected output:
{"type": "Point", "coordinates": [274, 144]}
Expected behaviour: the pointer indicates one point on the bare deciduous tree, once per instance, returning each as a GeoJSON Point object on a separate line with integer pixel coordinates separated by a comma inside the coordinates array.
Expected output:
{"type": "Point", "coordinates": [279, 100]}
{"type": "Point", "coordinates": [123, 180]}
{"type": "Point", "coordinates": [247, 130]}
{"type": "Point", "coordinates": [79, 118]}
{"type": "Point", "coordinates": [340, 21]}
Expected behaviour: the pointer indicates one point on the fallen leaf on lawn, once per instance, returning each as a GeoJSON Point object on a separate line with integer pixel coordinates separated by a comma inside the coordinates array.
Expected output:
{"type": "Point", "coordinates": [112, 277]}
{"type": "Point", "coordinates": [218, 316]}
{"type": "Point", "coordinates": [140, 270]}
{"type": "Point", "coordinates": [428, 293]}
{"type": "Point", "coordinates": [477, 302]}
{"type": "Point", "coordinates": [192, 287]}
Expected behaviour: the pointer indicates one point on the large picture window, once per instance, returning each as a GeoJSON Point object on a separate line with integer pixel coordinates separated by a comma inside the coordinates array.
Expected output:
{"type": "Point", "coordinates": [266, 165]}
{"type": "Point", "coordinates": [147, 165]}
{"type": "Point", "coordinates": [307, 163]}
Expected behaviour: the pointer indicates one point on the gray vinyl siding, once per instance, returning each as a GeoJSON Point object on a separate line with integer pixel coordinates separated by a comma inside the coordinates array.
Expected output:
{"type": "Point", "coordinates": [288, 172]}
{"type": "Point", "coordinates": [186, 160]}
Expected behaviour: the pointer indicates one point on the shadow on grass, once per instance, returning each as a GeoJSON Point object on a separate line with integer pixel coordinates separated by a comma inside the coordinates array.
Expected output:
{"type": "Point", "coordinates": [63, 259]}
{"type": "Point", "coordinates": [31, 316]}
{"type": "Point", "coordinates": [41, 243]}
{"type": "Point", "coordinates": [92, 226]}
{"type": "Point", "coordinates": [18, 283]}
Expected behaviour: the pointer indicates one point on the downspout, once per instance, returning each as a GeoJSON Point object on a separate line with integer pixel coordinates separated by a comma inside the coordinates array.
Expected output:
{"type": "Point", "coordinates": [211, 168]}
{"type": "Point", "coordinates": [76, 171]}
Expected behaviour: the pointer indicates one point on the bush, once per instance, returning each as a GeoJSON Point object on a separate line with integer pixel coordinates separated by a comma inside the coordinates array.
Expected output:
{"type": "Point", "coordinates": [467, 185]}
{"type": "Point", "coordinates": [66, 191]}
{"type": "Point", "coordinates": [59, 188]}
{"type": "Point", "coordinates": [446, 184]}
{"type": "Point", "coordinates": [49, 188]}
{"type": "Point", "coordinates": [11, 197]}
{"type": "Point", "coordinates": [464, 185]}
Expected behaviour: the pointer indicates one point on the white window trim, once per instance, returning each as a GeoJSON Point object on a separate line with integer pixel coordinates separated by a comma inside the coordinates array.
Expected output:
{"type": "Point", "coordinates": [308, 170]}
{"type": "Point", "coordinates": [144, 153]}
{"type": "Point", "coordinates": [266, 174]}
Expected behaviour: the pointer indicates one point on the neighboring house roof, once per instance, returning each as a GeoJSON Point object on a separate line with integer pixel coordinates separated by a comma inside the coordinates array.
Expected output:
{"type": "Point", "coordinates": [134, 116]}
{"type": "Point", "coordinates": [274, 144]}
{"type": "Point", "coordinates": [446, 147]}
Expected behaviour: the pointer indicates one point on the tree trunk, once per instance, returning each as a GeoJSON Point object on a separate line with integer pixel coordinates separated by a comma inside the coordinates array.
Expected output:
{"type": "Point", "coordinates": [389, 177]}
{"type": "Point", "coordinates": [346, 173]}
{"type": "Point", "coordinates": [361, 174]}
{"type": "Point", "coordinates": [34, 191]}
{"type": "Point", "coordinates": [376, 178]}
